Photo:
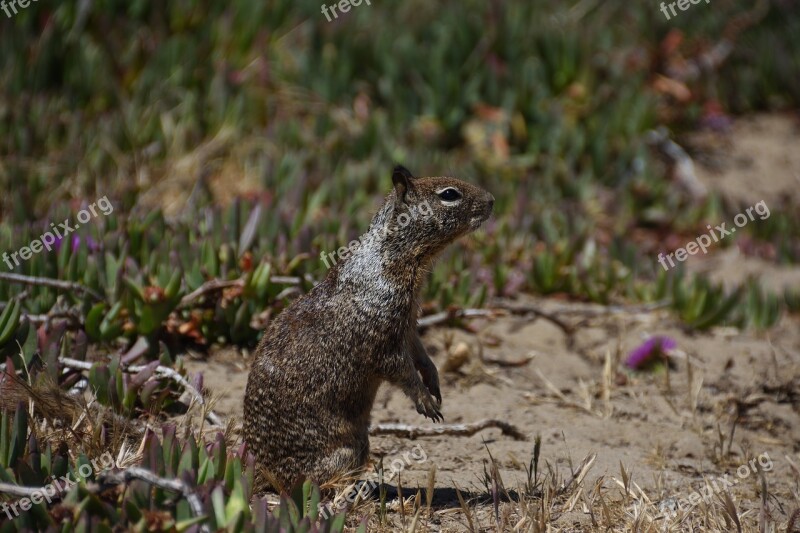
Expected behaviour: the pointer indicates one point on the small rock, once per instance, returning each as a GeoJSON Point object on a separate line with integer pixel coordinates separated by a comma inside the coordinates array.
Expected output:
{"type": "Point", "coordinates": [457, 357]}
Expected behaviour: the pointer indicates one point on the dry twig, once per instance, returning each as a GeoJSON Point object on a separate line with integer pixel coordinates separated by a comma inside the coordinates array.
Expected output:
{"type": "Point", "coordinates": [462, 430]}
{"type": "Point", "coordinates": [533, 310]}
{"type": "Point", "coordinates": [215, 285]}
{"type": "Point", "coordinates": [446, 316]}
{"type": "Point", "coordinates": [124, 476]}
{"type": "Point", "coordinates": [163, 371]}
{"type": "Point", "coordinates": [176, 485]}
{"type": "Point", "coordinates": [207, 287]}
{"type": "Point", "coordinates": [52, 283]}
{"type": "Point", "coordinates": [19, 492]}
{"type": "Point", "coordinates": [504, 363]}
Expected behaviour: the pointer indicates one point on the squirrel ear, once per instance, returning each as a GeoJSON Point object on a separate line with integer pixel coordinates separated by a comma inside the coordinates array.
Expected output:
{"type": "Point", "coordinates": [401, 177]}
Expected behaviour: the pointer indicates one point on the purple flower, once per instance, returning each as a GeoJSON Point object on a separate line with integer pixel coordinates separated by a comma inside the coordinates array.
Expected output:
{"type": "Point", "coordinates": [75, 243]}
{"type": "Point", "coordinates": [653, 350]}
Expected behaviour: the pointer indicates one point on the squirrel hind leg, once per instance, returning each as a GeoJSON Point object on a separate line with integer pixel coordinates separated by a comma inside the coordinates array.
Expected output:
{"type": "Point", "coordinates": [345, 464]}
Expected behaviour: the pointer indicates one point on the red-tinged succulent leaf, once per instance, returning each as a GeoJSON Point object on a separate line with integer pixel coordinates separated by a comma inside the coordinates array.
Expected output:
{"type": "Point", "coordinates": [140, 378]}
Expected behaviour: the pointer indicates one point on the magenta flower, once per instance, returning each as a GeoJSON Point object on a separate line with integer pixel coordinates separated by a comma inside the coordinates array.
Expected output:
{"type": "Point", "coordinates": [75, 243]}
{"type": "Point", "coordinates": [650, 352]}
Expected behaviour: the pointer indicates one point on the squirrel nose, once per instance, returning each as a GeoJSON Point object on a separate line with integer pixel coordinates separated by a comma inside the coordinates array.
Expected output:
{"type": "Point", "coordinates": [491, 202]}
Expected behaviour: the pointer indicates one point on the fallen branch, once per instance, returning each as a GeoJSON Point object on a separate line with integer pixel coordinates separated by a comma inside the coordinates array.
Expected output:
{"type": "Point", "coordinates": [164, 372]}
{"type": "Point", "coordinates": [462, 430]}
{"type": "Point", "coordinates": [532, 310]}
{"type": "Point", "coordinates": [586, 309]}
{"type": "Point", "coordinates": [446, 316]}
{"type": "Point", "coordinates": [569, 330]}
{"type": "Point", "coordinates": [115, 478]}
{"type": "Point", "coordinates": [215, 285]}
{"type": "Point", "coordinates": [516, 363]}
{"type": "Point", "coordinates": [210, 286]}
{"type": "Point", "coordinates": [19, 492]}
{"type": "Point", "coordinates": [127, 475]}
{"type": "Point", "coordinates": [618, 309]}
{"type": "Point", "coordinates": [51, 283]}
{"type": "Point", "coordinates": [71, 316]}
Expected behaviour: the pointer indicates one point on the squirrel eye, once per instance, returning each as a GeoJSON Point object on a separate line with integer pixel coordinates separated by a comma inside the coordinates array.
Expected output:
{"type": "Point", "coordinates": [450, 195]}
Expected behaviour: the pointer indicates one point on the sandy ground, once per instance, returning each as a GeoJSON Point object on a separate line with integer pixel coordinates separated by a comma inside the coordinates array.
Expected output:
{"type": "Point", "coordinates": [757, 160]}
{"type": "Point", "coordinates": [665, 434]}
{"type": "Point", "coordinates": [733, 396]}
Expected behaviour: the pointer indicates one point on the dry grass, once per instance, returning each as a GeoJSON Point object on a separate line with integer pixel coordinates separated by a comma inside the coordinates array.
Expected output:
{"type": "Point", "coordinates": [607, 504]}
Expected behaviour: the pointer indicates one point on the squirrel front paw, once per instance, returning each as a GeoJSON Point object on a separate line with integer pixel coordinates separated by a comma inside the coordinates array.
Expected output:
{"type": "Point", "coordinates": [427, 406]}
{"type": "Point", "coordinates": [430, 378]}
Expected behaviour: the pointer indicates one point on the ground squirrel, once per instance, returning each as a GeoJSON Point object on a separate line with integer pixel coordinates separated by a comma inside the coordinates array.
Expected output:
{"type": "Point", "coordinates": [318, 367]}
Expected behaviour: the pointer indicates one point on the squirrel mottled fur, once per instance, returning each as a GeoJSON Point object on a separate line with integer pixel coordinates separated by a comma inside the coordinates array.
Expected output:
{"type": "Point", "coordinates": [319, 364]}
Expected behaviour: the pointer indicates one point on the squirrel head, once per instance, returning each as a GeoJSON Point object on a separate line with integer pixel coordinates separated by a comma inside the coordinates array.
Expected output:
{"type": "Point", "coordinates": [426, 214]}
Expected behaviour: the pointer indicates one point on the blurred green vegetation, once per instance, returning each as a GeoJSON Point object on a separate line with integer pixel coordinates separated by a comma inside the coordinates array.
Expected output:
{"type": "Point", "coordinates": [95, 94]}
{"type": "Point", "coordinates": [546, 104]}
